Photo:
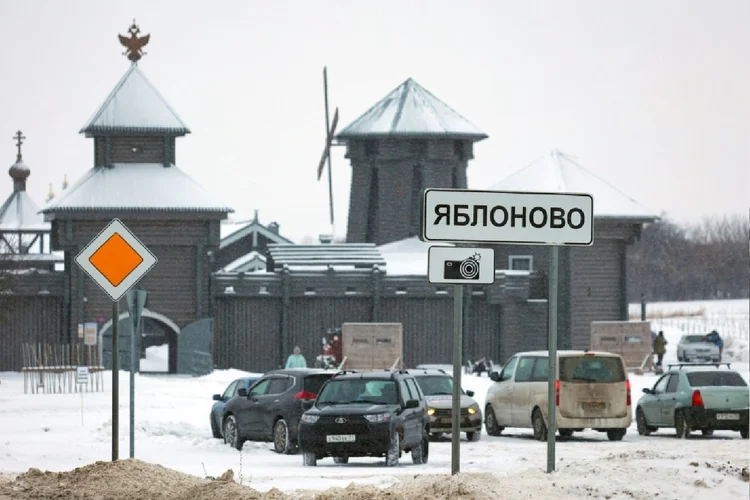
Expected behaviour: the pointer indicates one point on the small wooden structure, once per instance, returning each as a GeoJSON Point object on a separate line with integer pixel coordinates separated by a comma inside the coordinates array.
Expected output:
{"type": "Point", "coordinates": [629, 339]}
{"type": "Point", "coordinates": [372, 346]}
{"type": "Point", "coordinates": [51, 368]}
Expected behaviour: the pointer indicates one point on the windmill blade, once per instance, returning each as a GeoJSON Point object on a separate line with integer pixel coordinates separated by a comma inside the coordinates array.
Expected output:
{"type": "Point", "coordinates": [329, 141]}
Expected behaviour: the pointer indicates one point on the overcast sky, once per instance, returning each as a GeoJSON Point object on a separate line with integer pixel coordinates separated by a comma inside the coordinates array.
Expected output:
{"type": "Point", "coordinates": [651, 96]}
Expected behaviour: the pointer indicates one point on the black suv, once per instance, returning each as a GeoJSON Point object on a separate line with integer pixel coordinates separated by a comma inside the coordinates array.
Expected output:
{"type": "Point", "coordinates": [270, 410]}
{"type": "Point", "coordinates": [370, 414]}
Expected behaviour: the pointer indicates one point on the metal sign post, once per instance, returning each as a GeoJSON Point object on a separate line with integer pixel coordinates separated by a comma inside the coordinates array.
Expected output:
{"type": "Point", "coordinates": [503, 217]}
{"type": "Point", "coordinates": [459, 266]}
{"type": "Point", "coordinates": [116, 259]}
{"type": "Point", "coordinates": [136, 300]}
{"type": "Point", "coordinates": [552, 358]}
{"type": "Point", "coordinates": [458, 308]}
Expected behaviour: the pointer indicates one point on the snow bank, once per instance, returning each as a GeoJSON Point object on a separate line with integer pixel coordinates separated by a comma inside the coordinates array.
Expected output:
{"type": "Point", "coordinates": [609, 478]}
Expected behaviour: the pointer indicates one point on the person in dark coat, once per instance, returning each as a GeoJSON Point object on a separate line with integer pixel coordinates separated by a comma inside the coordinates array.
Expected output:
{"type": "Point", "coordinates": [481, 367]}
{"type": "Point", "coordinates": [660, 347]}
{"type": "Point", "coordinates": [715, 339]}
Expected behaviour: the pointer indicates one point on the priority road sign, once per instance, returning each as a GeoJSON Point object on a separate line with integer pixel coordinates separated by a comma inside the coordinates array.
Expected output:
{"type": "Point", "coordinates": [461, 265]}
{"type": "Point", "coordinates": [116, 260]}
{"type": "Point", "coordinates": [528, 218]}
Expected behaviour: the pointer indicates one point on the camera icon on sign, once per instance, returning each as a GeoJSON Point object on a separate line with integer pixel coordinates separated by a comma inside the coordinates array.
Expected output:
{"type": "Point", "coordinates": [467, 269]}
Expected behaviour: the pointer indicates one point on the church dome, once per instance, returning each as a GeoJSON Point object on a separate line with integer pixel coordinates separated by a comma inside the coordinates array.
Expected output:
{"type": "Point", "coordinates": [19, 171]}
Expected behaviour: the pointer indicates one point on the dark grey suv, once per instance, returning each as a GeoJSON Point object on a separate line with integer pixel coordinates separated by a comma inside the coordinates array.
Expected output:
{"type": "Point", "coordinates": [370, 414]}
{"type": "Point", "coordinates": [270, 410]}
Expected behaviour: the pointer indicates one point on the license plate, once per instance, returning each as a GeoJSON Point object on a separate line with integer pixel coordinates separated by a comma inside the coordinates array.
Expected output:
{"type": "Point", "coordinates": [340, 438]}
{"type": "Point", "coordinates": [593, 405]}
{"type": "Point", "coordinates": [727, 416]}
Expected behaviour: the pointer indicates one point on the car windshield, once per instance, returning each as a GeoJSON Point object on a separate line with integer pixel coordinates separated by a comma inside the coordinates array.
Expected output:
{"type": "Point", "coordinates": [357, 391]}
{"type": "Point", "coordinates": [435, 385]}
{"type": "Point", "coordinates": [692, 339]}
{"type": "Point", "coordinates": [716, 379]}
{"type": "Point", "coordinates": [591, 369]}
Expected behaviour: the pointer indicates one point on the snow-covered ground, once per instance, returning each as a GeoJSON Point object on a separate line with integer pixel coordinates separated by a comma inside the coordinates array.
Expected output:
{"type": "Point", "coordinates": [157, 359]}
{"type": "Point", "coordinates": [59, 432]}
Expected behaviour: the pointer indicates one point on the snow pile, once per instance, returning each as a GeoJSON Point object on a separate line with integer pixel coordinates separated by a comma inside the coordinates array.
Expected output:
{"type": "Point", "coordinates": [609, 478]}
{"type": "Point", "coordinates": [157, 359]}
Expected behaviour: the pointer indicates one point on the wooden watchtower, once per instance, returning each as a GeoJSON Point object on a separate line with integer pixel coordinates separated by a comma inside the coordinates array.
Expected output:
{"type": "Point", "coordinates": [135, 178]}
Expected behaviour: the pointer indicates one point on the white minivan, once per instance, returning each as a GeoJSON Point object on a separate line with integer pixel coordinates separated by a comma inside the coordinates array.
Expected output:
{"type": "Point", "coordinates": [592, 391]}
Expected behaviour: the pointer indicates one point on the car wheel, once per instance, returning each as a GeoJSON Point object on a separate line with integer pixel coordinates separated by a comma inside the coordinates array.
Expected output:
{"type": "Point", "coordinates": [616, 434]}
{"type": "Point", "coordinates": [341, 460]}
{"type": "Point", "coordinates": [640, 421]}
{"type": "Point", "coordinates": [281, 442]}
{"type": "Point", "coordinates": [743, 433]}
{"type": "Point", "coordinates": [421, 453]}
{"type": "Point", "coordinates": [309, 459]}
{"type": "Point", "coordinates": [232, 433]}
{"type": "Point", "coordinates": [681, 426]}
{"type": "Point", "coordinates": [474, 436]}
{"type": "Point", "coordinates": [215, 428]}
{"type": "Point", "coordinates": [394, 451]}
{"type": "Point", "coordinates": [707, 432]}
{"type": "Point", "coordinates": [490, 422]}
{"type": "Point", "coordinates": [540, 428]}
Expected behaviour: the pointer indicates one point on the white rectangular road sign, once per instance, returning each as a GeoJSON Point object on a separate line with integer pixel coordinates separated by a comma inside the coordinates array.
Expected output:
{"type": "Point", "coordinates": [82, 374]}
{"type": "Point", "coordinates": [116, 260]}
{"type": "Point", "coordinates": [508, 217]}
{"type": "Point", "coordinates": [461, 266]}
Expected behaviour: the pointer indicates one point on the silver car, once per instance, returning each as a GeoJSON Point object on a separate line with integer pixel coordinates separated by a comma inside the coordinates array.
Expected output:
{"type": "Point", "coordinates": [697, 348]}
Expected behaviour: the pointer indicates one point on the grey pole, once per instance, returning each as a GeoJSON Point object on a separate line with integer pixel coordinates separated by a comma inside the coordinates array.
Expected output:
{"type": "Point", "coordinates": [115, 378]}
{"type": "Point", "coordinates": [134, 331]}
{"type": "Point", "coordinates": [458, 306]}
{"type": "Point", "coordinates": [552, 351]}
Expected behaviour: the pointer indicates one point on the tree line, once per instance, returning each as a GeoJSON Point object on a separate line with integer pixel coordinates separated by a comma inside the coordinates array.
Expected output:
{"type": "Point", "coordinates": [707, 259]}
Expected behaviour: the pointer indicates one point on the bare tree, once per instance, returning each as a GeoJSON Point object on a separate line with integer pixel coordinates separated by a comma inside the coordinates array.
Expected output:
{"type": "Point", "coordinates": [707, 259]}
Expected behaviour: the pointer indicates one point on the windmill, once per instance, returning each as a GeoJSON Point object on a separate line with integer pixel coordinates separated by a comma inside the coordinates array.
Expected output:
{"type": "Point", "coordinates": [326, 157]}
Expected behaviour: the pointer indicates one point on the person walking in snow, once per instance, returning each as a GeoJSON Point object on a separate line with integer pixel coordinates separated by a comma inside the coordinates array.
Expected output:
{"type": "Point", "coordinates": [296, 360]}
{"type": "Point", "coordinates": [715, 339]}
{"type": "Point", "coordinates": [660, 348]}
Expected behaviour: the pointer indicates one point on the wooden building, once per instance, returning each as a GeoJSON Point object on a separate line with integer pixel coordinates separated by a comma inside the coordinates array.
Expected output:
{"type": "Point", "coordinates": [231, 295]}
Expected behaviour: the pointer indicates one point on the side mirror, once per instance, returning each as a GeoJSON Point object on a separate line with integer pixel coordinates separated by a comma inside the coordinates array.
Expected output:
{"type": "Point", "coordinates": [217, 397]}
{"type": "Point", "coordinates": [412, 403]}
{"type": "Point", "coordinates": [494, 376]}
{"type": "Point", "coordinates": [242, 392]}
{"type": "Point", "coordinates": [646, 390]}
{"type": "Point", "coordinates": [470, 394]}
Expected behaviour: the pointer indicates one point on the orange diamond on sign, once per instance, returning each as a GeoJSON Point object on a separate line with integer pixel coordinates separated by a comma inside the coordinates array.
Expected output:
{"type": "Point", "coordinates": [115, 259]}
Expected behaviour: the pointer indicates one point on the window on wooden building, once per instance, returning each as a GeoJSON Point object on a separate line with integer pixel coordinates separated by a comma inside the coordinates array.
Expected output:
{"type": "Point", "coordinates": [521, 263]}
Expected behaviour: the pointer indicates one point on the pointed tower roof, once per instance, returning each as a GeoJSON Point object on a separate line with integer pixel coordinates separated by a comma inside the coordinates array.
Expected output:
{"type": "Point", "coordinates": [19, 213]}
{"type": "Point", "coordinates": [135, 106]}
{"type": "Point", "coordinates": [410, 110]}
{"type": "Point", "coordinates": [557, 172]}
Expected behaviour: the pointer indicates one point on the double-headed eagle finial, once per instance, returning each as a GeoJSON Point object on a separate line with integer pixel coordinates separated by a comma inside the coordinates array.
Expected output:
{"type": "Point", "coordinates": [134, 44]}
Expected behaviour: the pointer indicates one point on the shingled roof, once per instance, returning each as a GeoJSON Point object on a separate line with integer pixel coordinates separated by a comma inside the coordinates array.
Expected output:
{"type": "Point", "coordinates": [20, 214]}
{"type": "Point", "coordinates": [410, 110]}
{"type": "Point", "coordinates": [557, 172]}
{"type": "Point", "coordinates": [135, 106]}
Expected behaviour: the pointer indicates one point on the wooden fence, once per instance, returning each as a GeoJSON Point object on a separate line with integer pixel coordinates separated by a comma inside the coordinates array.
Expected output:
{"type": "Point", "coordinates": [51, 368]}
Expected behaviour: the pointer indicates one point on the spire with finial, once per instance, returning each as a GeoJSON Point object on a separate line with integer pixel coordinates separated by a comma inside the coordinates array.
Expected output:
{"type": "Point", "coordinates": [65, 182]}
{"type": "Point", "coordinates": [134, 44]}
{"type": "Point", "coordinates": [19, 172]}
{"type": "Point", "coordinates": [51, 193]}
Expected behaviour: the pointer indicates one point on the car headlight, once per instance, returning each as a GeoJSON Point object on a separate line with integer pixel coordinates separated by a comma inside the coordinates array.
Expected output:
{"type": "Point", "coordinates": [310, 419]}
{"type": "Point", "coordinates": [473, 409]}
{"type": "Point", "coordinates": [379, 417]}
{"type": "Point", "coordinates": [430, 411]}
